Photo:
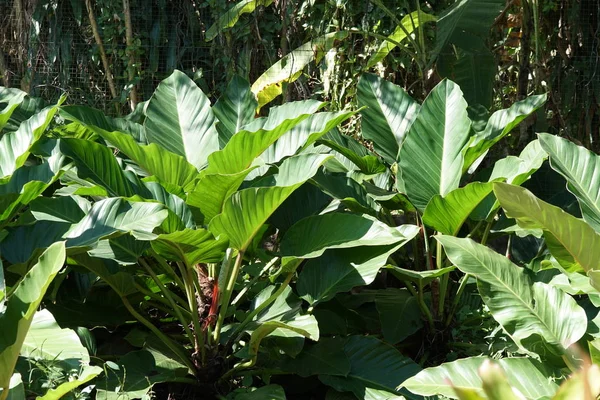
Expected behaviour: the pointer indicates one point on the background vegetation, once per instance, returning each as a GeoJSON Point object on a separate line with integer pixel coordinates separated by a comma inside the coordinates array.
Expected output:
{"type": "Point", "coordinates": [319, 199]}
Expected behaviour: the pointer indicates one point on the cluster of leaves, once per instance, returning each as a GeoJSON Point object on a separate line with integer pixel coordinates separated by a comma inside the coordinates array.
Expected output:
{"type": "Point", "coordinates": [195, 244]}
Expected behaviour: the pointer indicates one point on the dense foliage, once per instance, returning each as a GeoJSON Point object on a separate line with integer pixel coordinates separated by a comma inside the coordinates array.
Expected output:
{"type": "Point", "coordinates": [195, 250]}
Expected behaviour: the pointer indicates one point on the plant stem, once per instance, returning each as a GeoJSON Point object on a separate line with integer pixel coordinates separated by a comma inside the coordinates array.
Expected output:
{"type": "Point", "coordinates": [188, 280]}
{"type": "Point", "coordinates": [247, 287]}
{"type": "Point", "coordinates": [231, 279]}
{"type": "Point", "coordinates": [167, 293]}
{"type": "Point", "coordinates": [424, 307]}
{"type": "Point", "coordinates": [164, 338]}
{"type": "Point", "coordinates": [443, 279]}
{"type": "Point", "coordinates": [264, 304]}
{"type": "Point", "coordinates": [459, 291]}
{"type": "Point", "coordinates": [167, 268]}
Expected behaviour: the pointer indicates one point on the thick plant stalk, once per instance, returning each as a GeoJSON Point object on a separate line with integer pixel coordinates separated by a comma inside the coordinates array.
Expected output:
{"type": "Point", "coordinates": [107, 71]}
{"type": "Point", "coordinates": [133, 98]}
{"type": "Point", "coordinates": [230, 283]}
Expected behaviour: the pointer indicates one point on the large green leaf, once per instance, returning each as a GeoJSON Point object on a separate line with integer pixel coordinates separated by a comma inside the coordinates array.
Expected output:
{"type": "Point", "coordinates": [116, 216]}
{"type": "Point", "coordinates": [21, 306]}
{"type": "Point", "coordinates": [389, 114]}
{"type": "Point", "coordinates": [168, 167]}
{"type": "Point", "coordinates": [179, 118]}
{"type": "Point", "coordinates": [526, 375]}
{"type": "Point", "coordinates": [234, 109]}
{"type": "Point", "coordinates": [531, 313]}
{"type": "Point", "coordinates": [339, 270]}
{"type": "Point", "coordinates": [46, 340]}
{"type": "Point", "coordinates": [91, 117]}
{"type": "Point", "coordinates": [190, 246]}
{"type": "Point", "coordinates": [98, 164]}
{"type": "Point", "coordinates": [25, 185]}
{"type": "Point", "coordinates": [581, 169]}
{"type": "Point", "coordinates": [431, 157]}
{"type": "Point", "coordinates": [399, 314]}
{"type": "Point", "coordinates": [11, 98]}
{"type": "Point", "coordinates": [228, 168]}
{"type": "Point", "coordinates": [247, 210]}
{"type": "Point", "coordinates": [269, 85]}
{"type": "Point", "coordinates": [409, 23]}
{"type": "Point", "coordinates": [257, 136]}
{"type": "Point", "coordinates": [579, 239]}
{"type": "Point", "coordinates": [374, 366]}
{"type": "Point", "coordinates": [327, 356]}
{"type": "Point", "coordinates": [229, 18]}
{"type": "Point", "coordinates": [310, 237]}
{"type": "Point", "coordinates": [499, 125]}
{"type": "Point", "coordinates": [473, 69]}
{"type": "Point", "coordinates": [14, 146]}
{"type": "Point", "coordinates": [303, 135]}
{"type": "Point", "coordinates": [447, 214]}
{"type": "Point", "coordinates": [465, 18]}
{"type": "Point", "coordinates": [269, 392]}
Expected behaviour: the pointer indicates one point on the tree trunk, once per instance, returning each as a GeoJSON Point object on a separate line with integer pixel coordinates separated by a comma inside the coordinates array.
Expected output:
{"type": "Point", "coordinates": [131, 68]}
{"type": "Point", "coordinates": [107, 71]}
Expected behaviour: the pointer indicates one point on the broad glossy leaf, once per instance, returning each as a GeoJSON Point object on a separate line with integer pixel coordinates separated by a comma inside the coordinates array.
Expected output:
{"type": "Point", "coordinates": [473, 68]}
{"type": "Point", "coordinates": [190, 246]}
{"type": "Point", "coordinates": [247, 210]}
{"type": "Point", "coordinates": [513, 170]}
{"type": "Point", "coordinates": [409, 23]}
{"type": "Point", "coordinates": [499, 125]}
{"type": "Point", "coordinates": [98, 164]}
{"type": "Point", "coordinates": [531, 313]}
{"type": "Point", "coordinates": [14, 146]}
{"type": "Point", "coordinates": [472, 17]}
{"type": "Point", "coordinates": [339, 270]}
{"type": "Point", "coordinates": [431, 157]}
{"type": "Point", "coordinates": [375, 366]}
{"type": "Point", "coordinates": [399, 314]}
{"type": "Point", "coordinates": [92, 118]}
{"type": "Point", "coordinates": [257, 136]}
{"type": "Point", "coordinates": [11, 98]}
{"type": "Point", "coordinates": [22, 304]}
{"type": "Point", "coordinates": [310, 237]}
{"type": "Point", "coordinates": [304, 134]}
{"type": "Point", "coordinates": [348, 191]}
{"type": "Point", "coordinates": [155, 160]}
{"type": "Point", "coordinates": [59, 209]}
{"type": "Point", "coordinates": [581, 169]}
{"type": "Point", "coordinates": [27, 241]}
{"type": "Point", "coordinates": [46, 340]}
{"type": "Point", "coordinates": [179, 118]}
{"type": "Point", "coordinates": [124, 249]}
{"type": "Point", "coordinates": [180, 216]}
{"type": "Point", "coordinates": [269, 85]}
{"type": "Point", "coordinates": [422, 277]}
{"type": "Point", "coordinates": [447, 214]}
{"type": "Point", "coordinates": [579, 239]}
{"type": "Point", "coordinates": [327, 356]}
{"type": "Point", "coordinates": [16, 389]}
{"type": "Point", "coordinates": [116, 216]}
{"type": "Point", "coordinates": [228, 168]}
{"type": "Point", "coordinates": [524, 374]}
{"type": "Point", "coordinates": [25, 185]}
{"type": "Point", "coordinates": [368, 164]}
{"type": "Point", "coordinates": [234, 109]}
{"type": "Point", "coordinates": [231, 16]}
{"type": "Point", "coordinates": [389, 114]}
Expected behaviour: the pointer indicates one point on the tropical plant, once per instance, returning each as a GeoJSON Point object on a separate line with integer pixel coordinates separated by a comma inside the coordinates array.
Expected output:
{"type": "Point", "coordinates": [207, 247]}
